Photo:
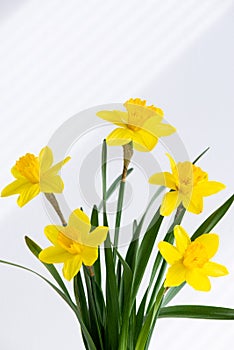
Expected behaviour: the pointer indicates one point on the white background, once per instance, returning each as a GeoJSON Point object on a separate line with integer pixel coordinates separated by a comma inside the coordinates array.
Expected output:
{"type": "Point", "coordinates": [59, 57]}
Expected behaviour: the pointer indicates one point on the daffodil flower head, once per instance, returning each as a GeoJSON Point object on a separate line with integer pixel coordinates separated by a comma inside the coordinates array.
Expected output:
{"type": "Point", "coordinates": [34, 175]}
{"type": "Point", "coordinates": [73, 244]}
{"type": "Point", "coordinates": [188, 184]}
{"type": "Point", "coordinates": [190, 261]}
{"type": "Point", "coordinates": [140, 124]}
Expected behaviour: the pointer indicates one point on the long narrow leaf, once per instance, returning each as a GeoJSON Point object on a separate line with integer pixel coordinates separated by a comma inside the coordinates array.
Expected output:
{"type": "Point", "coordinates": [150, 319]}
{"type": "Point", "coordinates": [35, 249]}
{"type": "Point", "coordinates": [197, 311]}
{"type": "Point", "coordinates": [133, 247]}
{"type": "Point", "coordinates": [97, 264]}
{"type": "Point", "coordinates": [112, 304]}
{"type": "Point", "coordinates": [113, 187]}
{"type": "Point", "coordinates": [144, 252]}
{"type": "Point", "coordinates": [159, 259]}
{"type": "Point", "coordinates": [118, 215]}
{"type": "Point", "coordinates": [81, 299]}
{"type": "Point", "coordinates": [201, 155]}
{"type": "Point", "coordinates": [213, 219]}
{"type": "Point", "coordinates": [94, 321]}
{"type": "Point", "coordinates": [127, 282]}
{"type": "Point", "coordinates": [65, 298]}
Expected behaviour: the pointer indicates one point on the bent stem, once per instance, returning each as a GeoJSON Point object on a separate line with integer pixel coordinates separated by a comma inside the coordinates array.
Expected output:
{"type": "Point", "coordinates": [127, 155]}
{"type": "Point", "coordinates": [53, 201]}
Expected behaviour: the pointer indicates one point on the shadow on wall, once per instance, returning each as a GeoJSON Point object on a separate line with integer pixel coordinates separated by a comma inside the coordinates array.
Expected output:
{"type": "Point", "coordinates": [8, 7]}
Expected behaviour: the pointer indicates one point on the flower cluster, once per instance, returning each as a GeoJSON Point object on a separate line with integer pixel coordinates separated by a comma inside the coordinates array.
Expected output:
{"type": "Point", "coordinates": [108, 317]}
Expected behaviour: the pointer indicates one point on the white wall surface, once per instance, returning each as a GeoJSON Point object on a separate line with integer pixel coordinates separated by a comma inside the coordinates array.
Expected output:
{"type": "Point", "coordinates": [60, 57]}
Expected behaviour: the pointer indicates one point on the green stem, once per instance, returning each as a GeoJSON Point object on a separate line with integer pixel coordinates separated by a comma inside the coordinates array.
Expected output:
{"type": "Point", "coordinates": [95, 326]}
{"type": "Point", "coordinates": [118, 215]}
{"type": "Point", "coordinates": [159, 260]}
{"type": "Point", "coordinates": [104, 160]}
{"type": "Point", "coordinates": [127, 155]}
{"type": "Point", "coordinates": [112, 305]}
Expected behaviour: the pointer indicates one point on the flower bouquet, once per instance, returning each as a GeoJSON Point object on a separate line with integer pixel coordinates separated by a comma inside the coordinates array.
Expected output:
{"type": "Point", "coordinates": [115, 307]}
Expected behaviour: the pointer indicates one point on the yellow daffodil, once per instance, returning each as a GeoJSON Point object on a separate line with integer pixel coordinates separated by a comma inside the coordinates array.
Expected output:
{"type": "Point", "coordinates": [73, 244]}
{"type": "Point", "coordinates": [34, 175]}
{"type": "Point", "coordinates": [142, 125]}
{"type": "Point", "coordinates": [190, 261]}
{"type": "Point", "coordinates": [188, 184]}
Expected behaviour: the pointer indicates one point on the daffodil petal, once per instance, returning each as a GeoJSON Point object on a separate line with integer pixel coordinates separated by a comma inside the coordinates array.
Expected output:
{"type": "Point", "coordinates": [193, 203]}
{"type": "Point", "coordinates": [71, 267]}
{"type": "Point", "coordinates": [182, 238]}
{"type": "Point", "coordinates": [96, 237]}
{"type": "Point", "coordinates": [89, 255]}
{"type": "Point", "coordinates": [198, 280]}
{"type": "Point", "coordinates": [144, 141]}
{"type": "Point", "coordinates": [207, 188]}
{"type": "Point", "coordinates": [163, 179]}
{"type": "Point", "coordinates": [28, 193]}
{"type": "Point", "coordinates": [53, 255]}
{"type": "Point", "coordinates": [15, 187]}
{"type": "Point", "coordinates": [119, 118]}
{"type": "Point", "coordinates": [169, 252]}
{"type": "Point", "coordinates": [52, 232]}
{"type": "Point", "coordinates": [161, 129]}
{"type": "Point", "coordinates": [51, 184]}
{"type": "Point", "coordinates": [211, 243]}
{"type": "Point", "coordinates": [57, 167]}
{"type": "Point", "coordinates": [79, 221]}
{"type": "Point", "coordinates": [175, 275]}
{"type": "Point", "coordinates": [170, 201]}
{"type": "Point", "coordinates": [215, 270]}
{"type": "Point", "coordinates": [173, 166]}
{"type": "Point", "coordinates": [119, 137]}
{"type": "Point", "coordinates": [45, 159]}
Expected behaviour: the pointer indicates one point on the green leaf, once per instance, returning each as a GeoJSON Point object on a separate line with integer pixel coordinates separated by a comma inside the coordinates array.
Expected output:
{"type": "Point", "coordinates": [118, 215]}
{"type": "Point", "coordinates": [201, 155]}
{"type": "Point", "coordinates": [66, 299]}
{"type": "Point", "coordinates": [97, 264]}
{"type": "Point", "coordinates": [113, 187]}
{"type": "Point", "coordinates": [112, 304]}
{"type": "Point", "coordinates": [81, 299]}
{"type": "Point", "coordinates": [35, 249]}
{"type": "Point", "coordinates": [197, 311]}
{"type": "Point", "coordinates": [140, 317]}
{"type": "Point", "coordinates": [94, 217]}
{"type": "Point", "coordinates": [127, 282]}
{"type": "Point", "coordinates": [133, 247]}
{"type": "Point", "coordinates": [213, 219]}
{"type": "Point", "coordinates": [149, 321]}
{"type": "Point", "coordinates": [100, 303]}
{"type": "Point", "coordinates": [94, 321]}
{"type": "Point", "coordinates": [171, 293]}
{"type": "Point", "coordinates": [159, 259]}
{"type": "Point", "coordinates": [144, 252]}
